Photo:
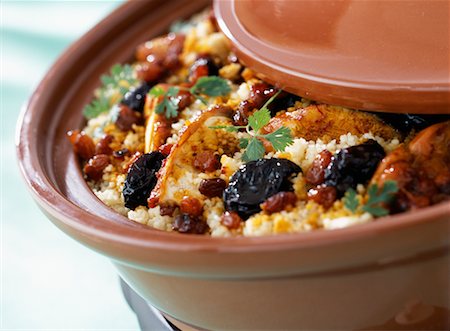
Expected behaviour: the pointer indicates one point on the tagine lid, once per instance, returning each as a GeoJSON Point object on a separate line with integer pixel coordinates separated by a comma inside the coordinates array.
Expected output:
{"type": "Point", "coordinates": [390, 56]}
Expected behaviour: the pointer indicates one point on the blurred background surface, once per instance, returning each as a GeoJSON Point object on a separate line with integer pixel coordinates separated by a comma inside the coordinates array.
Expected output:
{"type": "Point", "coordinates": [48, 281]}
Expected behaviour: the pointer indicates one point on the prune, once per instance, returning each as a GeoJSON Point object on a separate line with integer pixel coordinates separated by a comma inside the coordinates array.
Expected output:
{"type": "Point", "coordinates": [353, 165]}
{"type": "Point", "coordinates": [135, 97]}
{"type": "Point", "coordinates": [141, 179]}
{"type": "Point", "coordinates": [185, 223]}
{"type": "Point", "coordinates": [407, 122]}
{"type": "Point", "coordinates": [283, 102]}
{"type": "Point", "coordinates": [256, 181]}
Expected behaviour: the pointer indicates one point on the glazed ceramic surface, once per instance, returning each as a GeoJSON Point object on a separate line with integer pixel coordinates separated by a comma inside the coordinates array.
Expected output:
{"type": "Point", "coordinates": [373, 55]}
{"type": "Point", "coordinates": [355, 278]}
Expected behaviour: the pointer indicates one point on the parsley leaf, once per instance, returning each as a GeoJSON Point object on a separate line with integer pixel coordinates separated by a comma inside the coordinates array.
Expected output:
{"type": "Point", "coordinates": [168, 104]}
{"type": "Point", "coordinates": [212, 86]}
{"type": "Point", "coordinates": [280, 139]}
{"type": "Point", "coordinates": [228, 128]}
{"type": "Point", "coordinates": [377, 200]}
{"type": "Point", "coordinates": [255, 150]}
{"type": "Point", "coordinates": [96, 107]}
{"type": "Point", "coordinates": [378, 197]}
{"type": "Point", "coordinates": [259, 119]}
{"type": "Point", "coordinates": [351, 202]}
{"type": "Point", "coordinates": [121, 78]}
{"type": "Point", "coordinates": [157, 91]}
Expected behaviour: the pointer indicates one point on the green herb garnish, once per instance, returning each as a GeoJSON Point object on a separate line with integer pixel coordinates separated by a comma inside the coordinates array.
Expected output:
{"type": "Point", "coordinates": [121, 78]}
{"type": "Point", "coordinates": [211, 86]}
{"type": "Point", "coordinates": [377, 200]}
{"type": "Point", "coordinates": [254, 148]}
{"type": "Point", "coordinates": [169, 103]}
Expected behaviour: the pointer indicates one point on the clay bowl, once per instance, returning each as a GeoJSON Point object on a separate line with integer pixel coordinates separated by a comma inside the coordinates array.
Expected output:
{"type": "Point", "coordinates": [354, 278]}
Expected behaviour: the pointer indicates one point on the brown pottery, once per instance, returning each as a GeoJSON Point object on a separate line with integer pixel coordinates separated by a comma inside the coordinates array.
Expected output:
{"type": "Point", "coordinates": [360, 277]}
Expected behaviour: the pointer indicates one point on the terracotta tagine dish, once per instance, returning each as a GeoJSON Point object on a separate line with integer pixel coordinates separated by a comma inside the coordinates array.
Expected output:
{"type": "Point", "coordinates": [390, 274]}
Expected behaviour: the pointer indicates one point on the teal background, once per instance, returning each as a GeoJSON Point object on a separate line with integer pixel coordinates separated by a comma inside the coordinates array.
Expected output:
{"type": "Point", "coordinates": [48, 281]}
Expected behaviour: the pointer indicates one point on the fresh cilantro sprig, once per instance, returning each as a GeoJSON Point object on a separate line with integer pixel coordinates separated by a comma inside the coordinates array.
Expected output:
{"type": "Point", "coordinates": [211, 86]}
{"type": "Point", "coordinates": [168, 105]}
{"type": "Point", "coordinates": [254, 147]}
{"type": "Point", "coordinates": [378, 199]}
{"type": "Point", "coordinates": [121, 78]}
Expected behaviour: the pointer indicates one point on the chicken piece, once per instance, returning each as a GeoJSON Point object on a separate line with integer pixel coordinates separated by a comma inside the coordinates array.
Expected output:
{"type": "Point", "coordinates": [421, 169]}
{"type": "Point", "coordinates": [157, 127]}
{"type": "Point", "coordinates": [175, 179]}
{"type": "Point", "coordinates": [329, 122]}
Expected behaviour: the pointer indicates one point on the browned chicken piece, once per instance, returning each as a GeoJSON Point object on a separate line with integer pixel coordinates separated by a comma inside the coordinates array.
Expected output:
{"type": "Point", "coordinates": [421, 169]}
{"type": "Point", "coordinates": [329, 122]}
{"type": "Point", "coordinates": [169, 188]}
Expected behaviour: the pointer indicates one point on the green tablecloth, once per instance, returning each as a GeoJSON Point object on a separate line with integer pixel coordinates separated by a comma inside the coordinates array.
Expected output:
{"type": "Point", "coordinates": [48, 280]}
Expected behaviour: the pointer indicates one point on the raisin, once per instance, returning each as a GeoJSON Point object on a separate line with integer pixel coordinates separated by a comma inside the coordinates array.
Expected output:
{"type": "Point", "coordinates": [127, 118]}
{"type": "Point", "coordinates": [279, 202]}
{"type": "Point", "coordinates": [135, 97]}
{"type": "Point", "coordinates": [167, 209]}
{"type": "Point", "coordinates": [261, 93]}
{"type": "Point", "coordinates": [83, 145]}
{"type": "Point", "coordinates": [207, 161]}
{"type": "Point", "coordinates": [242, 113]}
{"type": "Point", "coordinates": [203, 66]}
{"type": "Point", "coordinates": [231, 220]}
{"type": "Point", "coordinates": [191, 206]}
{"type": "Point", "coordinates": [95, 166]}
{"type": "Point", "coordinates": [212, 187]}
{"type": "Point", "coordinates": [121, 153]}
{"type": "Point", "coordinates": [185, 223]}
{"type": "Point", "coordinates": [149, 71]}
{"type": "Point", "coordinates": [102, 146]}
{"type": "Point", "coordinates": [184, 99]}
{"type": "Point", "coordinates": [141, 179]}
{"type": "Point", "coordinates": [323, 195]}
{"type": "Point", "coordinates": [353, 165]}
{"type": "Point", "coordinates": [172, 59]}
{"type": "Point", "coordinates": [316, 173]}
{"type": "Point", "coordinates": [255, 182]}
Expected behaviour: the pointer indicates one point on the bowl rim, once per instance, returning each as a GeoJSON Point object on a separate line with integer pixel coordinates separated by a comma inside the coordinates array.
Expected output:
{"type": "Point", "coordinates": [73, 217]}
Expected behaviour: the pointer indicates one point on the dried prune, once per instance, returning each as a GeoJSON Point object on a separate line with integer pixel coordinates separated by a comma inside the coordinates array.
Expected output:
{"type": "Point", "coordinates": [256, 181]}
{"type": "Point", "coordinates": [135, 97]}
{"type": "Point", "coordinates": [141, 179]}
{"type": "Point", "coordinates": [407, 122]}
{"type": "Point", "coordinates": [353, 165]}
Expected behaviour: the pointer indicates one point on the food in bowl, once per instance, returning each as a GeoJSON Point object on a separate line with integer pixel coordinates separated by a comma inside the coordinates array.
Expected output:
{"type": "Point", "coordinates": [188, 139]}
